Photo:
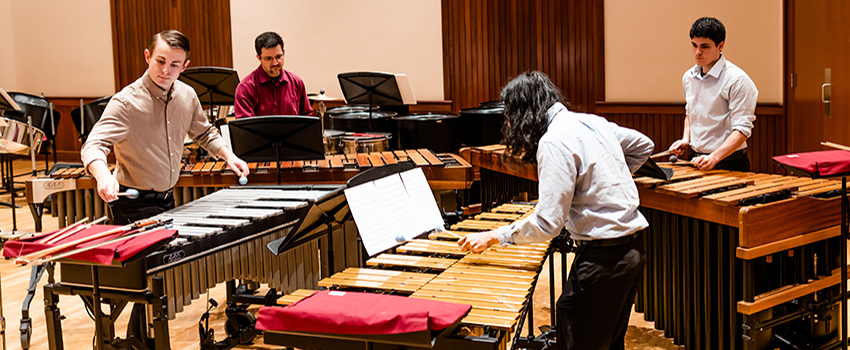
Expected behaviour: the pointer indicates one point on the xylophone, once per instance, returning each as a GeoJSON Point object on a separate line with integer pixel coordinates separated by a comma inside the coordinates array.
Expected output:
{"type": "Point", "coordinates": [497, 283]}
{"type": "Point", "coordinates": [735, 260]}
{"type": "Point", "coordinates": [223, 237]}
{"type": "Point", "coordinates": [76, 197]}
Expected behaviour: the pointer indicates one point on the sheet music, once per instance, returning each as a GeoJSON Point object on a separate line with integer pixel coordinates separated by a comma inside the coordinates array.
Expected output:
{"type": "Point", "coordinates": [399, 204]}
{"type": "Point", "coordinates": [405, 89]}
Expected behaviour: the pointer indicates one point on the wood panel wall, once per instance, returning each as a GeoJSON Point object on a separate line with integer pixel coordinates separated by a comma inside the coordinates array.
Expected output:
{"type": "Point", "coordinates": [663, 124]}
{"type": "Point", "coordinates": [205, 22]}
{"type": "Point", "coordinates": [486, 43]}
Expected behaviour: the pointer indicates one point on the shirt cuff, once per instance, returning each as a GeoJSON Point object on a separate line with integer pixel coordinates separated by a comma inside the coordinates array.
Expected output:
{"type": "Point", "coordinates": [215, 146]}
{"type": "Point", "coordinates": [747, 131]}
{"type": "Point", "coordinates": [504, 234]}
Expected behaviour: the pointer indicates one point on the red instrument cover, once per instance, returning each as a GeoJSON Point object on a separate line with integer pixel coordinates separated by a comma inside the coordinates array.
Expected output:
{"type": "Point", "coordinates": [818, 164]}
{"type": "Point", "coordinates": [120, 251]}
{"type": "Point", "coordinates": [365, 313]}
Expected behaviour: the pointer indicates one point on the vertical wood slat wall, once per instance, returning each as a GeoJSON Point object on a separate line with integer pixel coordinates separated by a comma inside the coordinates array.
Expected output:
{"type": "Point", "coordinates": [205, 22]}
{"type": "Point", "coordinates": [486, 43]}
{"type": "Point", "coordinates": [663, 124]}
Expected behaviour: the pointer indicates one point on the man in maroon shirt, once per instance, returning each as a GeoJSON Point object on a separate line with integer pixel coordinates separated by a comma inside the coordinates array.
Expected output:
{"type": "Point", "coordinates": [269, 89]}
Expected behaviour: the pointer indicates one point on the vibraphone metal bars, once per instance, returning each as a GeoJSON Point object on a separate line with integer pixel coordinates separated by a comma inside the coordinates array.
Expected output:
{"type": "Point", "coordinates": [222, 238]}
{"type": "Point", "coordinates": [497, 283]}
{"type": "Point", "coordinates": [76, 197]}
{"type": "Point", "coordinates": [734, 260]}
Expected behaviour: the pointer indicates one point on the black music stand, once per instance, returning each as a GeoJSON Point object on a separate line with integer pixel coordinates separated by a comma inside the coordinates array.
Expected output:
{"type": "Point", "coordinates": [650, 169]}
{"type": "Point", "coordinates": [214, 85]}
{"type": "Point", "coordinates": [276, 138]}
{"type": "Point", "coordinates": [325, 211]}
{"type": "Point", "coordinates": [87, 115]}
{"type": "Point", "coordinates": [384, 89]}
{"type": "Point", "coordinates": [8, 104]}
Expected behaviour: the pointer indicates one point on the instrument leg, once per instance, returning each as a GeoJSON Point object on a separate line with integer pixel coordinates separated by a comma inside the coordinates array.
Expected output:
{"type": "Point", "coordinates": [26, 321]}
{"type": "Point", "coordinates": [160, 314]}
{"type": "Point", "coordinates": [36, 209]}
{"type": "Point", "coordinates": [53, 319]}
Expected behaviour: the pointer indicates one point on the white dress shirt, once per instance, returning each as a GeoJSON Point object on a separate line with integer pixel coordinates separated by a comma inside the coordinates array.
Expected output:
{"type": "Point", "coordinates": [722, 101]}
{"type": "Point", "coordinates": [584, 167]}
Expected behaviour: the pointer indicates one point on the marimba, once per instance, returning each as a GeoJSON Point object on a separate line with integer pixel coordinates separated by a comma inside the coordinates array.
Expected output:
{"type": "Point", "coordinates": [76, 197]}
{"type": "Point", "coordinates": [497, 283]}
{"type": "Point", "coordinates": [734, 260]}
{"type": "Point", "coordinates": [222, 237]}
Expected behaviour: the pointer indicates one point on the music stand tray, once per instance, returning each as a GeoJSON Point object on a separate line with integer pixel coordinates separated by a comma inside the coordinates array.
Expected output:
{"type": "Point", "coordinates": [650, 169]}
{"type": "Point", "coordinates": [87, 115]}
{"type": "Point", "coordinates": [214, 85]}
{"type": "Point", "coordinates": [376, 88]}
{"type": "Point", "coordinates": [277, 138]}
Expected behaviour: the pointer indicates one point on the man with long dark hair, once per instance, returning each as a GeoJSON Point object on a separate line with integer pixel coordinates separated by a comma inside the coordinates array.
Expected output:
{"type": "Point", "coordinates": [584, 167]}
{"type": "Point", "coordinates": [720, 103]}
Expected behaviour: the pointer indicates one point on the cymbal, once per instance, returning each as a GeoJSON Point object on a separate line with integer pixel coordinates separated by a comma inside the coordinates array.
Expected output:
{"type": "Point", "coordinates": [321, 98]}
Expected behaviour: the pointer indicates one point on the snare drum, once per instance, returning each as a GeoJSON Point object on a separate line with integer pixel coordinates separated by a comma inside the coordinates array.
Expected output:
{"type": "Point", "coordinates": [15, 138]}
{"type": "Point", "coordinates": [331, 141]}
{"type": "Point", "coordinates": [374, 142]}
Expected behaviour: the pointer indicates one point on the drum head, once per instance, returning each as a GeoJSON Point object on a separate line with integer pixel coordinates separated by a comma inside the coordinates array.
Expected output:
{"type": "Point", "coordinates": [333, 133]}
{"type": "Point", "coordinates": [364, 115]}
{"type": "Point", "coordinates": [426, 117]}
{"type": "Point", "coordinates": [371, 135]}
{"type": "Point", "coordinates": [350, 108]}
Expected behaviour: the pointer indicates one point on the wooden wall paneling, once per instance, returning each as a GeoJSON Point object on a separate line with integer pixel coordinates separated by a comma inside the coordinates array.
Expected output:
{"type": "Point", "coordinates": [486, 43]}
{"type": "Point", "coordinates": [205, 22]}
{"type": "Point", "coordinates": [663, 124]}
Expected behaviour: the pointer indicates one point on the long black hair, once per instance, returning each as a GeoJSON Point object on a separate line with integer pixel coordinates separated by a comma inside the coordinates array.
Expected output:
{"type": "Point", "coordinates": [527, 98]}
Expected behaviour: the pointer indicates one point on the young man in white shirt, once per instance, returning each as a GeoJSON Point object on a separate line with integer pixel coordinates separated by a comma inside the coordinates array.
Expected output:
{"type": "Point", "coordinates": [584, 167]}
{"type": "Point", "coordinates": [720, 103]}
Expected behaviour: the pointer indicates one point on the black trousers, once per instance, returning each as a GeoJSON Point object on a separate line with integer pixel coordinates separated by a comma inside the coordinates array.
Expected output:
{"type": "Point", "coordinates": [125, 211]}
{"type": "Point", "coordinates": [594, 308]}
{"type": "Point", "coordinates": [737, 161]}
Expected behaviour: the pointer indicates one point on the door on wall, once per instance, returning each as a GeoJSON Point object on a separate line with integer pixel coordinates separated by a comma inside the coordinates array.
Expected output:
{"type": "Point", "coordinates": [819, 67]}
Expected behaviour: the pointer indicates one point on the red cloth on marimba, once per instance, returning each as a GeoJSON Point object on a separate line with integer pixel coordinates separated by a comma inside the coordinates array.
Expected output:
{"type": "Point", "coordinates": [819, 164]}
{"type": "Point", "coordinates": [120, 251]}
{"type": "Point", "coordinates": [360, 313]}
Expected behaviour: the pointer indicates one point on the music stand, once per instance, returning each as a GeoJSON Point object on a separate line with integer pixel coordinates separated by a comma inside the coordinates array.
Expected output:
{"type": "Point", "coordinates": [87, 115]}
{"type": "Point", "coordinates": [276, 138]}
{"type": "Point", "coordinates": [8, 104]}
{"type": "Point", "coordinates": [650, 169]}
{"type": "Point", "coordinates": [214, 85]}
{"type": "Point", "coordinates": [379, 88]}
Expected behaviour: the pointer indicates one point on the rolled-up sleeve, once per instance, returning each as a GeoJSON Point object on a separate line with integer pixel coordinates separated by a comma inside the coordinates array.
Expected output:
{"type": "Point", "coordinates": [110, 129]}
{"type": "Point", "coordinates": [202, 132]}
{"type": "Point", "coordinates": [742, 105]}
{"type": "Point", "coordinates": [636, 146]}
{"type": "Point", "coordinates": [556, 172]}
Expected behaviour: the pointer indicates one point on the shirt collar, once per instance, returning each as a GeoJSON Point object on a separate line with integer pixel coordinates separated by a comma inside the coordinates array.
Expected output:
{"type": "Point", "coordinates": [155, 90]}
{"type": "Point", "coordinates": [265, 78]}
{"type": "Point", "coordinates": [554, 110]}
{"type": "Point", "coordinates": [714, 71]}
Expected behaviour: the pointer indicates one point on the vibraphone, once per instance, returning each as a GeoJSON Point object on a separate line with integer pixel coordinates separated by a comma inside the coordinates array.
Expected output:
{"type": "Point", "coordinates": [734, 260]}
{"type": "Point", "coordinates": [497, 283]}
{"type": "Point", "coordinates": [76, 197]}
{"type": "Point", "coordinates": [222, 237]}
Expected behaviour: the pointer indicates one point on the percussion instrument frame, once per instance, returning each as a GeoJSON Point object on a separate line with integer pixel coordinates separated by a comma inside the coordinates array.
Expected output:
{"type": "Point", "coordinates": [703, 259]}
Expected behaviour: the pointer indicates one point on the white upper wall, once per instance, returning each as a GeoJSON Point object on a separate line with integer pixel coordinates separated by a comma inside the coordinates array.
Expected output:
{"type": "Point", "coordinates": [8, 78]}
{"type": "Point", "coordinates": [324, 38]}
{"type": "Point", "coordinates": [59, 48]}
{"type": "Point", "coordinates": [647, 47]}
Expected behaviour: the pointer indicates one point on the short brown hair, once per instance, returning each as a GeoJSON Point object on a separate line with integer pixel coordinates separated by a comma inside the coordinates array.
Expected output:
{"type": "Point", "coordinates": [172, 38]}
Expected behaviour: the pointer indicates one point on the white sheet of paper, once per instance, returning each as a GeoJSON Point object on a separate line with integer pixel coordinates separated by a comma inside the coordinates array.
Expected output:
{"type": "Point", "coordinates": [399, 204]}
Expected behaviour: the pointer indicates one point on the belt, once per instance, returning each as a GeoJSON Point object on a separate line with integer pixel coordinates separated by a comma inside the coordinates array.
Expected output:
{"type": "Point", "coordinates": [151, 194]}
{"type": "Point", "coordinates": [606, 242]}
